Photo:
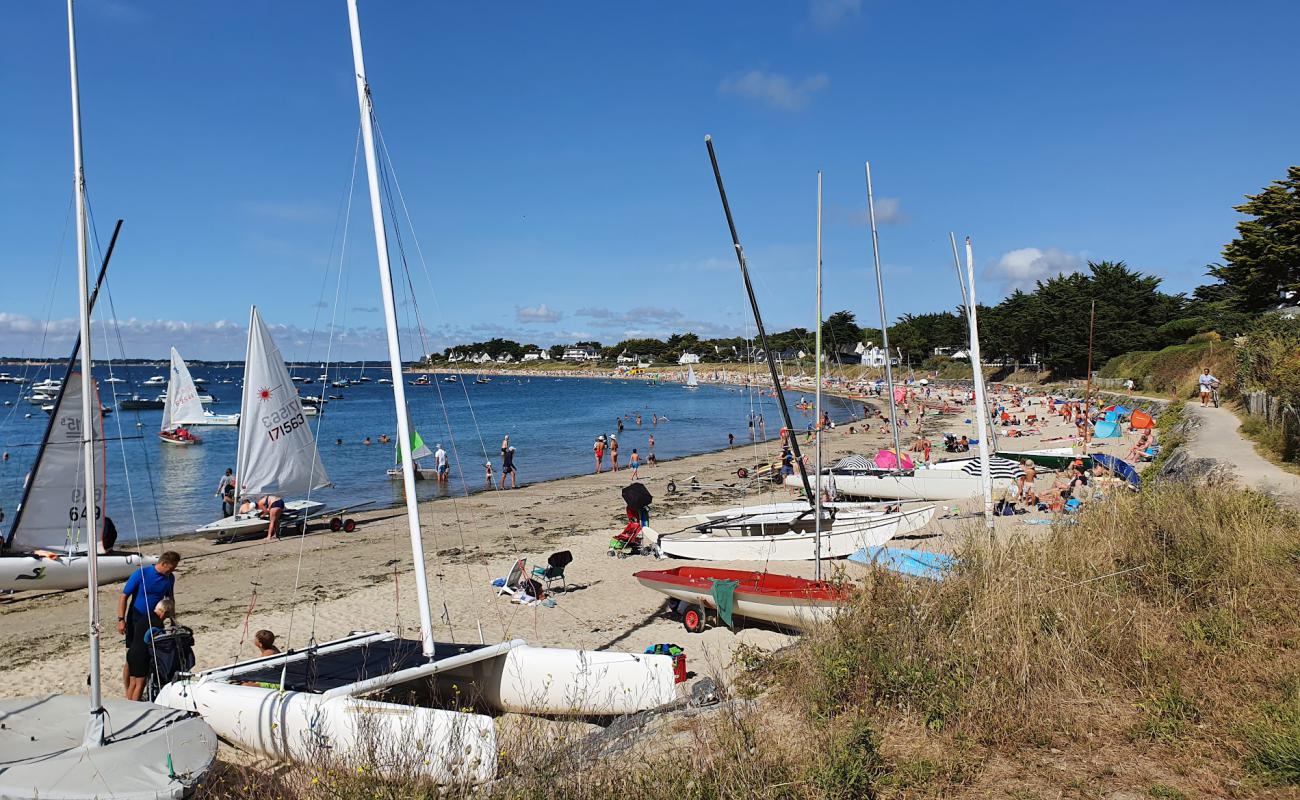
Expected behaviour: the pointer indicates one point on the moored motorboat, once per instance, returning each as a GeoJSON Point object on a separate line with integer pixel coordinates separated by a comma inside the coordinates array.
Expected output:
{"type": "Point", "coordinates": [770, 597]}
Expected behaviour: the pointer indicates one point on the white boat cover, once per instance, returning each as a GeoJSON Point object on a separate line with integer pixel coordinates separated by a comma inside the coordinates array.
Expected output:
{"type": "Point", "coordinates": [277, 453]}
{"type": "Point", "coordinates": [151, 752]}
{"type": "Point", "coordinates": [183, 406]}
{"type": "Point", "coordinates": [53, 511]}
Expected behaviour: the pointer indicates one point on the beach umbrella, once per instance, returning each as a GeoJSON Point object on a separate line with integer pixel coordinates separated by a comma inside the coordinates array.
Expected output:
{"type": "Point", "coordinates": [998, 468]}
{"type": "Point", "coordinates": [855, 464]}
{"type": "Point", "coordinates": [888, 459]}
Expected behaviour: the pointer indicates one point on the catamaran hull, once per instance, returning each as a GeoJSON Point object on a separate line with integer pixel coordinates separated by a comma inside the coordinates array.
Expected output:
{"type": "Point", "coordinates": [560, 682]}
{"type": "Point", "coordinates": [242, 524]}
{"type": "Point", "coordinates": [64, 573]}
{"type": "Point", "coordinates": [924, 484]}
{"type": "Point", "coordinates": [792, 612]}
{"type": "Point", "coordinates": [909, 520]}
{"type": "Point", "coordinates": [840, 539]}
{"type": "Point", "coordinates": [391, 739]}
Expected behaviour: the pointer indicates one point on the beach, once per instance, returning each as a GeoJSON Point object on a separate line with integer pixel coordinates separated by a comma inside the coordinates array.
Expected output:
{"type": "Point", "coordinates": [326, 584]}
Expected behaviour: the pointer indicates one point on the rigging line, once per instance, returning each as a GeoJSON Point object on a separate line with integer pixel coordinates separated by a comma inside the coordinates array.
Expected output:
{"type": "Point", "coordinates": [320, 421]}
{"type": "Point", "coordinates": [390, 183]}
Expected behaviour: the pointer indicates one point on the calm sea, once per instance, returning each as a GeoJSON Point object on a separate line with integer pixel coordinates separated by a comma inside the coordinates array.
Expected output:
{"type": "Point", "coordinates": [552, 423]}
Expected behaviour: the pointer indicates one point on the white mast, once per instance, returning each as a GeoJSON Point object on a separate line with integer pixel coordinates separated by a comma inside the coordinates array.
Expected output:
{"type": "Point", "coordinates": [95, 726]}
{"type": "Point", "coordinates": [390, 320]}
{"type": "Point", "coordinates": [884, 324]}
{"type": "Point", "coordinates": [817, 377]}
{"type": "Point", "coordinates": [981, 408]}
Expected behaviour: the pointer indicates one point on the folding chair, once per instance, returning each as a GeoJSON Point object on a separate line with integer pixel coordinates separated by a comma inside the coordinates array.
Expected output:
{"type": "Point", "coordinates": [554, 570]}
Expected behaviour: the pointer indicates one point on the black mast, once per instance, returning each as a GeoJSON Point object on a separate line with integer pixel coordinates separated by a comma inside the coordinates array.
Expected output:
{"type": "Point", "coordinates": [72, 360]}
{"type": "Point", "coordinates": [758, 321]}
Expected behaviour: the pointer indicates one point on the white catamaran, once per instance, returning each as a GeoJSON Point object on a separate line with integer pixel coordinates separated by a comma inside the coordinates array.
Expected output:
{"type": "Point", "coordinates": [277, 453]}
{"type": "Point", "coordinates": [343, 700]}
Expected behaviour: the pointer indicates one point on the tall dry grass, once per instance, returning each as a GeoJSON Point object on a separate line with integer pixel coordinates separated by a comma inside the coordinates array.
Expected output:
{"type": "Point", "coordinates": [1165, 619]}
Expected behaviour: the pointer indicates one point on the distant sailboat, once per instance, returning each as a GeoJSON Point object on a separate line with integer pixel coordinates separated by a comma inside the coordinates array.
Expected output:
{"type": "Point", "coordinates": [691, 383]}
{"type": "Point", "coordinates": [183, 406]}
{"type": "Point", "coordinates": [419, 450]}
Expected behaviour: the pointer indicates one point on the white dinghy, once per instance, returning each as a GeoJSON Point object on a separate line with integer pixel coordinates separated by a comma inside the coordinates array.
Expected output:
{"type": "Point", "coordinates": [276, 453]}
{"type": "Point", "coordinates": [373, 697]}
{"type": "Point", "coordinates": [182, 406]}
{"type": "Point", "coordinates": [64, 746]}
{"type": "Point", "coordinates": [944, 481]}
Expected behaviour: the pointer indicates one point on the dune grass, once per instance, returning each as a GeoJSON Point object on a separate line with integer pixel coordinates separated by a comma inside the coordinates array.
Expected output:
{"type": "Point", "coordinates": [1160, 630]}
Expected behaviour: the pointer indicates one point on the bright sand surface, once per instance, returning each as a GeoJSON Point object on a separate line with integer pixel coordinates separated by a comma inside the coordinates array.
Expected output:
{"type": "Point", "coordinates": [325, 584]}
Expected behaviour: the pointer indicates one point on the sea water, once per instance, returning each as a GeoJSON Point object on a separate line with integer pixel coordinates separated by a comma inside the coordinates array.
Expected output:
{"type": "Point", "coordinates": [160, 489]}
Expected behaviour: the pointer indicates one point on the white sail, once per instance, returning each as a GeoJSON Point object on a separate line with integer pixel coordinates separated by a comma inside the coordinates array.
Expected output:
{"type": "Point", "coordinates": [690, 376]}
{"type": "Point", "coordinates": [54, 509]}
{"type": "Point", "coordinates": [277, 453]}
{"type": "Point", "coordinates": [183, 404]}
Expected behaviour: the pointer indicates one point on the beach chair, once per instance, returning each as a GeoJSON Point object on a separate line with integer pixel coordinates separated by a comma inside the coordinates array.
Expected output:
{"type": "Point", "coordinates": [512, 581]}
{"type": "Point", "coordinates": [554, 570]}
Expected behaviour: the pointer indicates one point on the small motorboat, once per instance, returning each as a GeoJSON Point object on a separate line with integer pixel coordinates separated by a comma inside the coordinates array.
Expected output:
{"type": "Point", "coordinates": [451, 379]}
{"type": "Point", "coordinates": [137, 403]}
{"type": "Point", "coordinates": [423, 380]}
{"type": "Point", "coordinates": [766, 596]}
{"type": "Point", "coordinates": [180, 437]}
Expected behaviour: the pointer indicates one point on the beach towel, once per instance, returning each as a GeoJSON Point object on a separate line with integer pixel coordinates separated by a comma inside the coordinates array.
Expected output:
{"type": "Point", "coordinates": [724, 597]}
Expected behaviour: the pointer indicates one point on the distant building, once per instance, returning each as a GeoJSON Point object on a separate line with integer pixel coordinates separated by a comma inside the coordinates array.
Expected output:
{"type": "Point", "coordinates": [536, 356]}
{"type": "Point", "coordinates": [455, 356]}
{"type": "Point", "coordinates": [505, 358]}
{"type": "Point", "coordinates": [481, 358]}
{"type": "Point", "coordinates": [581, 354]}
{"type": "Point", "coordinates": [627, 358]}
{"type": "Point", "coordinates": [688, 358]}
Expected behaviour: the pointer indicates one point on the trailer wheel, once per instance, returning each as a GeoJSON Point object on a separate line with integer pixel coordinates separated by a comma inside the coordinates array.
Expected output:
{"type": "Point", "coordinates": [672, 487]}
{"type": "Point", "coordinates": [777, 477]}
{"type": "Point", "coordinates": [693, 619]}
{"type": "Point", "coordinates": [349, 525]}
{"type": "Point", "coordinates": [742, 473]}
{"type": "Point", "coordinates": [336, 524]}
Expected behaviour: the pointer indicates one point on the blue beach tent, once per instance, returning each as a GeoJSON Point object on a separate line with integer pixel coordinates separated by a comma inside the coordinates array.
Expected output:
{"type": "Point", "coordinates": [1106, 430]}
{"type": "Point", "coordinates": [1120, 467]}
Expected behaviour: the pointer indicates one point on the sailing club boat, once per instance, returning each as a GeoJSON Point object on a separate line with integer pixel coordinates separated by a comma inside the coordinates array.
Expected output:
{"type": "Point", "coordinates": [67, 746]}
{"type": "Point", "coordinates": [342, 699]}
{"type": "Point", "coordinates": [276, 452]}
{"type": "Point", "coordinates": [691, 383]}
{"type": "Point", "coordinates": [183, 406]}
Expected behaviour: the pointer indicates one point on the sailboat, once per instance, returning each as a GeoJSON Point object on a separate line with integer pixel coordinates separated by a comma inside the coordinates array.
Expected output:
{"type": "Point", "coordinates": [784, 532]}
{"type": "Point", "coordinates": [183, 406]}
{"type": "Point", "coordinates": [276, 451]}
{"type": "Point", "coordinates": [691, 383]}
{"type": "Point", "coordinates": [64, 745]}
{"type": "Point", "coordinates": [339, 700]}
{"type": "Point", "coordinates": [418, 450]}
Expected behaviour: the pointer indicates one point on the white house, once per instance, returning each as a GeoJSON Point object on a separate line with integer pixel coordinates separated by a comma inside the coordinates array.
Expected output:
{"type": "Point", "coordinates": [583, 353]}
{"type": "Point", "coordinates": [481, 358]}
{"type": "Point", "coordinates": [627, 358]}
{"type": "Point", "coordinates": [688, 358]}
{"type": "Point", "coordinates": [455, 356]}
{"type": "Point", "coordinates": [505, 358]}
{"type": "Point", "coordinates": [533, 357]}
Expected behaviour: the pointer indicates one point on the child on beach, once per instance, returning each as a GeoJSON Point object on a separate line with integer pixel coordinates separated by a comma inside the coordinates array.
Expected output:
{"type": "Point", "coordinates": [635, 461]}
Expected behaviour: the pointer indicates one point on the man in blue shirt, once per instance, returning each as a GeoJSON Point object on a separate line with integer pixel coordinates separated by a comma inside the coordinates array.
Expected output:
{"type": "Point", "coordinates": [142, 591]}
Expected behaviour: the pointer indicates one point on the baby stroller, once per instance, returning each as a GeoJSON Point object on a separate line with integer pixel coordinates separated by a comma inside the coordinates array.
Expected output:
{"type": "Point", "coordinates": [629, 541]}
{"type": "Point", "coordinates": [172, 655]}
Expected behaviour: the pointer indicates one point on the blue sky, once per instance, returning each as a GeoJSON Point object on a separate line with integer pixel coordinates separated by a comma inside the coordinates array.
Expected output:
{"type": "Point", "coordinates": [553, 161]}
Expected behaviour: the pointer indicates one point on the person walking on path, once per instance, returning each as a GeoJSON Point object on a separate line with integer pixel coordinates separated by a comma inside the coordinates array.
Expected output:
{"type": "Point", "coordinates": [635, 462]}
{"type": "Point", "coordinates": [508, 464]}
{"type": "Point", "coordinates": [599, 449]}
{"type": "Point", "coordinates": [226, 491]}
{"type": "Point", "coordinates": [1208, 384]}
{"type": "Point", "coordinates": [140, 595]}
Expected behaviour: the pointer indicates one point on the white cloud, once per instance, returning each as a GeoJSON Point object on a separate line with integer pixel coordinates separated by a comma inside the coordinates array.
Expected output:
{"type": "Point", "coordinates": [536, 314]}
{"type": "Point", "coordinates": [826, 14]}
{"type": "Point", "coordinates": [776, 91]}
{"type": "Point", "coordinates": [1021, 269]}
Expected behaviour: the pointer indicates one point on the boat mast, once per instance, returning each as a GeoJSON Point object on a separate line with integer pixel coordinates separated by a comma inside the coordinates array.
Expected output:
{"type": "Point", "coordinates": [1087, 391]}
{"type": "Point", "coordinates": [95, 725]}
{"type": "Point", "coordinates": [758, 322]}
{"type": "Point", "coordinates": [817, 377]}
{"type": "Point", "coordinates": [981, 408]}
{"type": "Point", "coordinates": [884, 323]}
{"type": "Point", "coordinates": [966, 304]}
{"type": "Point", "coordinates": [390, 320]}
